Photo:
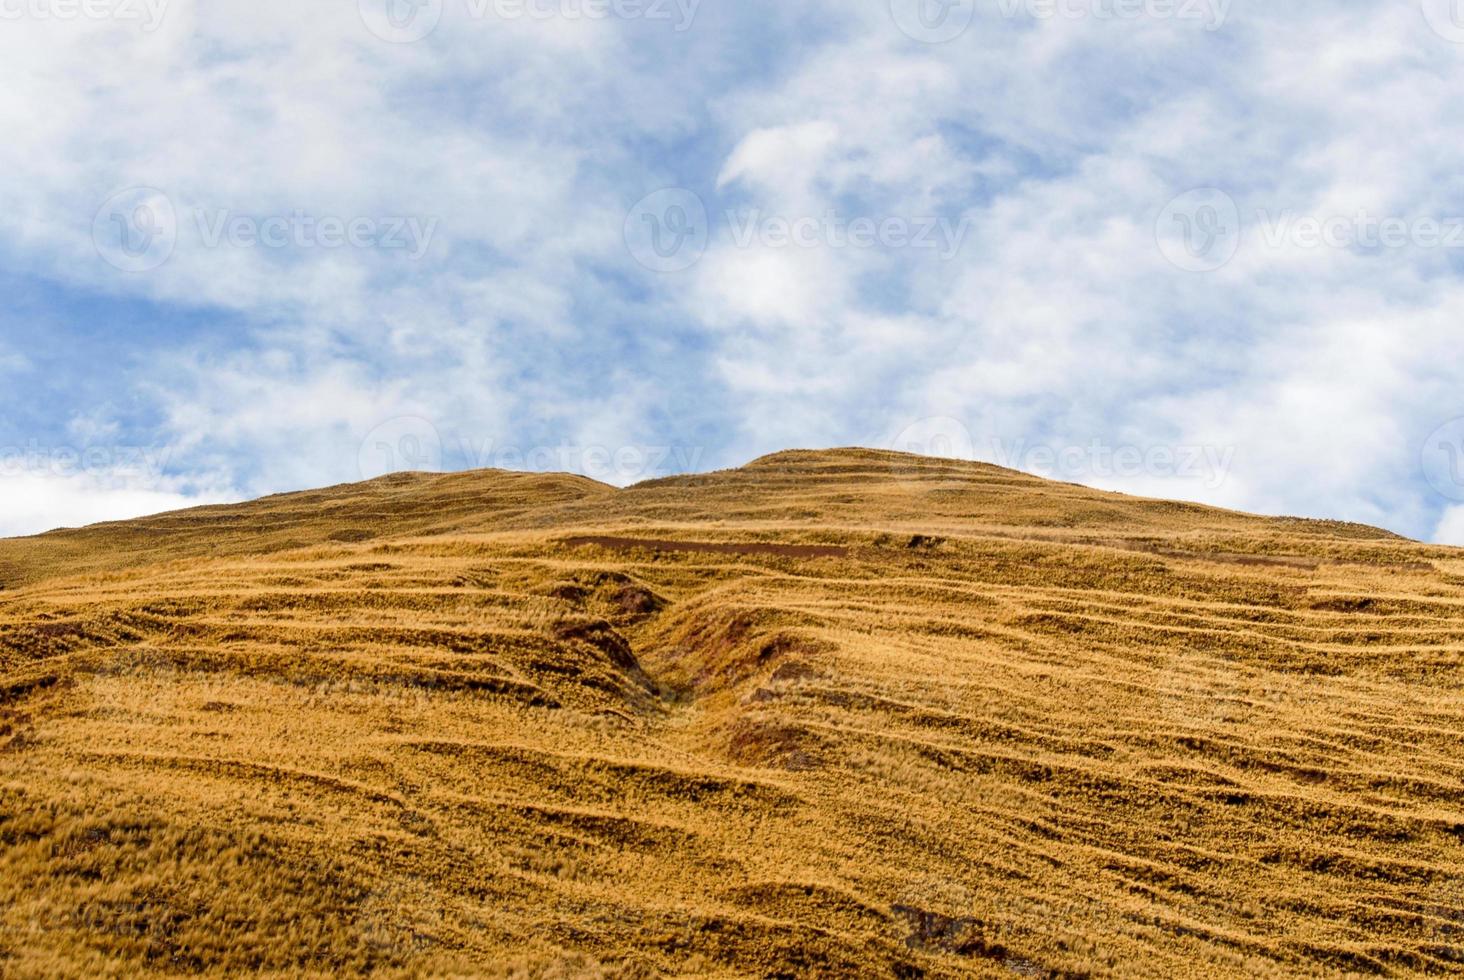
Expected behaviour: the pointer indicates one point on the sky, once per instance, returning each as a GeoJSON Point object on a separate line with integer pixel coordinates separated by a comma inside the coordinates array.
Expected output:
{"type": "Point", "coordinates": [1200, 249]}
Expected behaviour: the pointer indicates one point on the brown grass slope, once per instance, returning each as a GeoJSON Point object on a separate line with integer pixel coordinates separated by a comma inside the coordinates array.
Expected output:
{"type": "Point", "coordinates": [390, 506]}
{"type": "Point", "coordinates": [944, 720]}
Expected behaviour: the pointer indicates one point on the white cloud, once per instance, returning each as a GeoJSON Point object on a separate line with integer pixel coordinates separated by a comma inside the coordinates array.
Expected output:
{"type": "Point", "coordinates": [770, 157]}
{"type": "Point", "coordinates": [1321, 368]}
{"type": "Point", "coordinates": [1058, 321]}
{"type": "Point", "coordinates": [36, 502]}
{"type": "Point", "coordinates": [1451, 527]}
{"type": "Point", "coordinates": [13, 362]}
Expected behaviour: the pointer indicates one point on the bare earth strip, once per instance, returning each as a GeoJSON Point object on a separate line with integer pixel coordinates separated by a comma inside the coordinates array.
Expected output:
{"type": "Point", "coordinates": [707, 547]}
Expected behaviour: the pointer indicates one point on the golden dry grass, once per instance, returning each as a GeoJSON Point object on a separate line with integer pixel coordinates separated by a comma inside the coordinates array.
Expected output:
{"type": "Point", "coordinates": [1016, 728]}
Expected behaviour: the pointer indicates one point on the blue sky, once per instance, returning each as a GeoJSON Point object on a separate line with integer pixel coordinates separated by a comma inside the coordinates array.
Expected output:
{"type": "Point", "coordinates": [1200, 249]}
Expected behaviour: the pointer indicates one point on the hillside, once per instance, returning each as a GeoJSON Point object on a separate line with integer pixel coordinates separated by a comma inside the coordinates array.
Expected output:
{"type": "Point", "coordinates": [832, 713]}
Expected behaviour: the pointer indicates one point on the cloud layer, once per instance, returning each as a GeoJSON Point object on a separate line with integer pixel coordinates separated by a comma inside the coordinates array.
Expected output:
{"type": "Point", "coordinates": [1195, 249]}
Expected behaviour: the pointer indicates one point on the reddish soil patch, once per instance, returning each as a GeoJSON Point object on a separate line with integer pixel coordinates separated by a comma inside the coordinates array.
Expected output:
{"type": "Point", "coordinates": [733, 548]}
{"type": "Point", "coordinates": [1275, 561]}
